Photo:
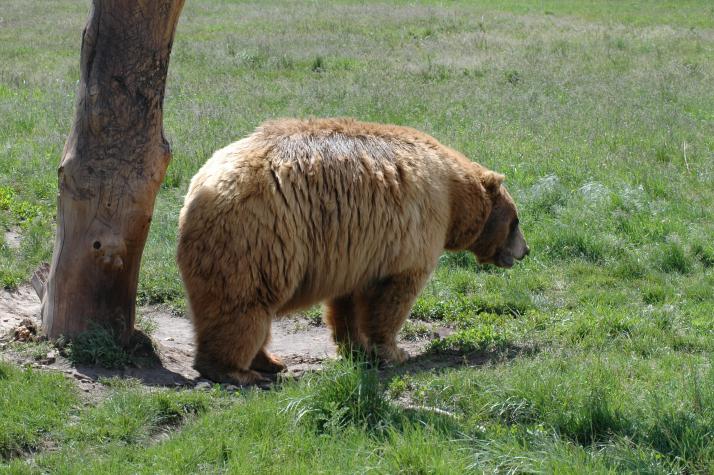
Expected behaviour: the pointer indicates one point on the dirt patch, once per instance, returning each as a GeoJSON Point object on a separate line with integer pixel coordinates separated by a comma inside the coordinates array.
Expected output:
{"type": "Point", "coordinates": [13, 239]}
{"type": "Point", "coordinates": [16, 306]}
{"type": "Point", "coordinates": [302, 344]}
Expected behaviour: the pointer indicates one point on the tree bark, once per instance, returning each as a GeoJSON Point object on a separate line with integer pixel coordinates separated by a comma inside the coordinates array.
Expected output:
{"type": "Point", "coordinates": [113, 163]}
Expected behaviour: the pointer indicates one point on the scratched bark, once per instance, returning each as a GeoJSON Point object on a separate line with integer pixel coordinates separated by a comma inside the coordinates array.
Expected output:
{"type": "Point", "coordinates": [113, 163]}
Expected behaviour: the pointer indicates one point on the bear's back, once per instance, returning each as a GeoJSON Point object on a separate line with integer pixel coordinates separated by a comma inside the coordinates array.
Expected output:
{"type": "Point", "coordinates": [363, 148]}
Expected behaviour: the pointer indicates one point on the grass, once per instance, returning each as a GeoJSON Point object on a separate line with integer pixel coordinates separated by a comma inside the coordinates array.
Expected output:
{"type": "Point", "coordinates": [32, 404]}
{"type": "Point", "coordinates": [100, 346]}
{"type": "Point", "coordinates": [188, 431]}
{"type": "Point", "coordinates": [346, 393]}
{"type": "Point", "coordinates": [600, 114]}
{"type": "Point", "coordinates": [599, 413]}
{"type": "Point", "coordinates": [619, 407]}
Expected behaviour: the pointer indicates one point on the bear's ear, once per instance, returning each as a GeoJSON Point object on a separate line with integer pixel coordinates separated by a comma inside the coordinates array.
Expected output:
{"type": "Point", "coordinates": [492, 181]}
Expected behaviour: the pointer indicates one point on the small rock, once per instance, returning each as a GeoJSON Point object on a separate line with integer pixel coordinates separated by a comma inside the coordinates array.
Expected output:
{"type": "Point", "coordinates": [26, 331]}
{"type": "Point", "coordinates": [203, 386]}
{"type": "Point", "coordinates": [231, 388]}
{"type": "Point", "coordinates": [49, 358]}
{"type": "Point", "coordinates": [22, 333]}
{"type": "Point", "coordinates": [292, 375]}
{"type": "Point", "coordinates": [169, 339]}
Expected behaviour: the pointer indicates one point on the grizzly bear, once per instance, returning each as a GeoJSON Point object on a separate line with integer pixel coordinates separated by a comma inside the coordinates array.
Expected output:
{"type": "Point", "coordinates": [351, 214]}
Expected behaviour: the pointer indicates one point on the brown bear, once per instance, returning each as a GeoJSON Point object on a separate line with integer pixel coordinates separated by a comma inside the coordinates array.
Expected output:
{"type": "Point", "coordinates": [351, 214]}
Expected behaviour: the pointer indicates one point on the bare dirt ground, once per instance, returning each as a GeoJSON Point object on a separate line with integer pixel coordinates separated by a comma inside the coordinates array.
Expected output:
{"type": "Point", "coordinates": [303, 345]}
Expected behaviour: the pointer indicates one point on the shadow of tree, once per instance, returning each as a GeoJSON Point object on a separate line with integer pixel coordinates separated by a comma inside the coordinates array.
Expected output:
{"type": "Point", "coordinates": [146, 366]}
{"type": "Point", "coordinates": [153, 376]}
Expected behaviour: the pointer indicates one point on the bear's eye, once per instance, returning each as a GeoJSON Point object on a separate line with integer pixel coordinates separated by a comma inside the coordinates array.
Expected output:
{"type": "Point", "coordinates": [514, 224]}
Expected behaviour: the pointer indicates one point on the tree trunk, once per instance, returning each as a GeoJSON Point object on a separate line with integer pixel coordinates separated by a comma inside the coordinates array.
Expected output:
{"type": "Point", "coordinates": [113, 163]}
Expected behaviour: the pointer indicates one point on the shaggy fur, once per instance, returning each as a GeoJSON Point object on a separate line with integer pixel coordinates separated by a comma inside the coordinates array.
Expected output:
{"type": "Point", "coordinates": [351, 214]}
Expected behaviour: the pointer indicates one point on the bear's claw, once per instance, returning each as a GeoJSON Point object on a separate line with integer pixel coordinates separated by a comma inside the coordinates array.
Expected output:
{"type": "Point", "coordinates": [266, 362]}
{"type": "Point", "coordinates": [243, 377]}
{"type": "Point", "coordinates": [238, 377]}
{"type": "Point", "coordinates": [391, 354]}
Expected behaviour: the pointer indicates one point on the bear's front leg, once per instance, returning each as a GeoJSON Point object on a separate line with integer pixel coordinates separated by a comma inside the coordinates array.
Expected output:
{"type": "Point", "coordinates": [227, 345]}
{"type": "Point", "coordinates": [383, 307]}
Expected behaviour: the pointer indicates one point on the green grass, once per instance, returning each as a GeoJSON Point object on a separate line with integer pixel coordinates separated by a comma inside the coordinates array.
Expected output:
{"type": "Point", "coordinates": [618, 407]}
{"type": "Point", "coordinates": [600, 113]}
{"type": "Point", "coordinates": [288, 431]}
{"type": "Point", "coordinates": [100, 346]}
{"type": "Point", "coordinates": [346, 393]}
{"type": "Point", "coordinates": [593, 413]}
{"type": "Point", "coordinates": [32, 403]}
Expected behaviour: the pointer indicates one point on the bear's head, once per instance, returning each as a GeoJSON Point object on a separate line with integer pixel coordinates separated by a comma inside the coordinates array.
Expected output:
{"type": "Point", "coordinates": [501, 241]}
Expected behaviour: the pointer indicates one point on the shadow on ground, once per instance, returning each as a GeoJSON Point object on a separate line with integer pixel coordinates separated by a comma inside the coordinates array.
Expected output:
{"type": "Point", "coordinates": [302, 344]}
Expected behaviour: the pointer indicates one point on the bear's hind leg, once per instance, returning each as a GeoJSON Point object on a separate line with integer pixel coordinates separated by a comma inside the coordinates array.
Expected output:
{"type": "Point", "coordinates": [227, 347]}
{"type": "Point", "coordinates": [384, 306]}
{"type": "Point", "coordinates": [341, 316]}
